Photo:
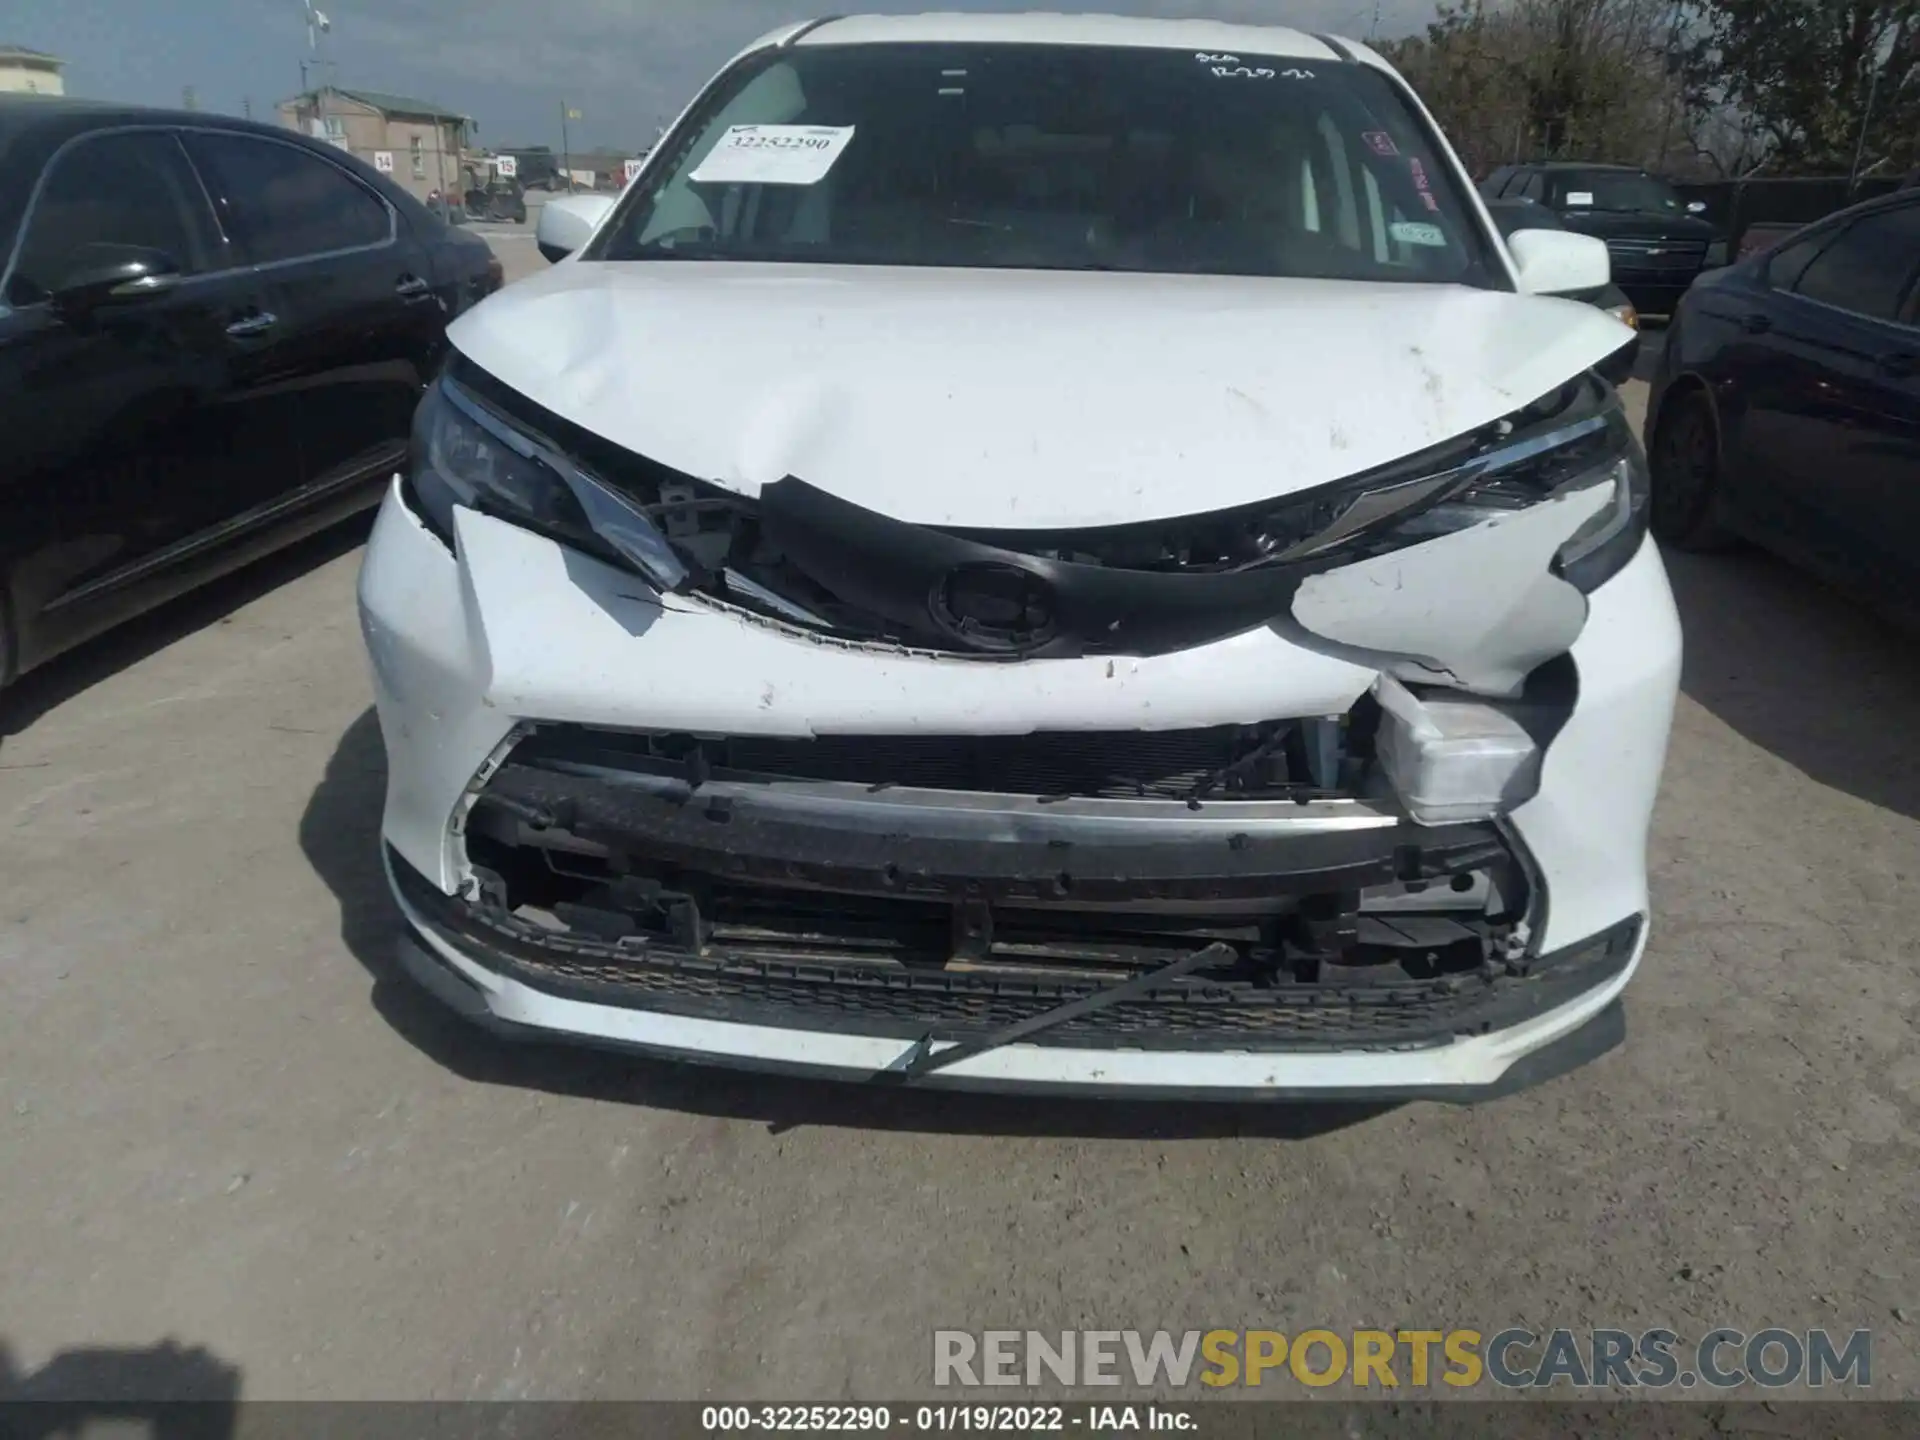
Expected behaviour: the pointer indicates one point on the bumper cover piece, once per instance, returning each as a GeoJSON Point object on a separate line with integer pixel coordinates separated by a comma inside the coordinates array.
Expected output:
{"type": "Point", "coordinates": [1210, 1011]}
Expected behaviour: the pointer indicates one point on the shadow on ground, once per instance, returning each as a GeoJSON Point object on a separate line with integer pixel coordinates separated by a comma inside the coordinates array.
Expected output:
{"type": "Point", "coordinates": [1808, 674]}
{"type": "Point", "coordinates": [165, 1392]}
{"type": "Point", "coordinates": [1653, 345]}
{"type": "Point", "coordinates": [60, 679]}
{"type": "Point", "coordinates": [340, 833]}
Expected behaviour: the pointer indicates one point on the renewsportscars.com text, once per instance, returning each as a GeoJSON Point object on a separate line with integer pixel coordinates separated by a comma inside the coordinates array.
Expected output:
{"type": "Point", "coordinates": [1513, 1358]}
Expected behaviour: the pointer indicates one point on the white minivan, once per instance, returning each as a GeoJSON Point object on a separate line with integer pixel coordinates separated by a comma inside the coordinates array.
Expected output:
{"type": "Point", "coordinates": [1034, 552]}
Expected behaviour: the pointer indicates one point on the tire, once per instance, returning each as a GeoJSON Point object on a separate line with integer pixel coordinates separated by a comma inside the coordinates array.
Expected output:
{"type": "Point", "coordinates": [1684, 461]}
{"type": "Point", "coordinates": [8, 650]}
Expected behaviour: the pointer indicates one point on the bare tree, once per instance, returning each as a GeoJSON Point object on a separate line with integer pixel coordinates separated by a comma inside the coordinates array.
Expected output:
{"type": "Point", "coordinates": [1550, 79]}
{"type": "Point", "coordinates": [1831, 86]}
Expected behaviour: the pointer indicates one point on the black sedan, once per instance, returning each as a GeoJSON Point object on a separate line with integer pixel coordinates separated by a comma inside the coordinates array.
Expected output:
{"type": "Point", "coordinates": [212, 338]}
{"type": "Point", "coordinates": [1786, 409]}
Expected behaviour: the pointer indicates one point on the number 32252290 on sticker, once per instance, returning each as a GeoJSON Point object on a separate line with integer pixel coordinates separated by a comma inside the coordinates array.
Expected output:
{"type": "Point", "coordinates": [773, 155]}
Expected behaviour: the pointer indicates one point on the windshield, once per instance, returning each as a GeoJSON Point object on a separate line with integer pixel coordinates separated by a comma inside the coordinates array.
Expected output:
{"type": "Point", "coordinates": [1623, 190]}
{"type": "Point", "coordinates": [1055, 157]}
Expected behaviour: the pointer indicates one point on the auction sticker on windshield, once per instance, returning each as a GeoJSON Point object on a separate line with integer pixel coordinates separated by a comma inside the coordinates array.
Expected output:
{"type": "Point", "coordinates": [773, 155]}
{"type": "Point", "coordinates": [1410, 232]}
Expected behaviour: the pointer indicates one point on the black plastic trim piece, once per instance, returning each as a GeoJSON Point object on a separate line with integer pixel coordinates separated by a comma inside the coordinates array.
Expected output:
{"type": "Point", "coordinates": [925, 1059]}
{"type": "Point", "coordinates": [807, 29]}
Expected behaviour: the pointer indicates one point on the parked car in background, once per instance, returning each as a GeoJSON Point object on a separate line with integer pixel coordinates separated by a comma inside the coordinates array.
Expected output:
{"type": "Point", "coordinates": [213, 335]}
{"type": "Point", "coordinates": [1092, 568]}
{"type": "Point", "coordinates": [497, 197]}
{"type": "Point", "coordinates": [1510, 216]}
{"type": "Point", "coordinates": [537, 168]}
{"type": "Point", "coordinates": [1655, 237]}
{"type": "Point", "coordinates": [1786, 409]}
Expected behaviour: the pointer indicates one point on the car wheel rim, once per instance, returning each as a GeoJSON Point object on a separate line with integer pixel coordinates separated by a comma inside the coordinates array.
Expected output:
{"type": "Point", "coordinates": [1686, 472]}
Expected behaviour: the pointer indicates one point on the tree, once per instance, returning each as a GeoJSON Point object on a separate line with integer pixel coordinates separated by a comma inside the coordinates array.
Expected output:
{"type": "Point", "coordinates": [1807, 73]}
{"type": "Point", "coordinates": [1552, 79]}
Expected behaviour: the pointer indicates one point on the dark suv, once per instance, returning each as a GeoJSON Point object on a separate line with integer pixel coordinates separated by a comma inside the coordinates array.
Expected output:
{"type": "Point", "coordinates": [1657, 240]}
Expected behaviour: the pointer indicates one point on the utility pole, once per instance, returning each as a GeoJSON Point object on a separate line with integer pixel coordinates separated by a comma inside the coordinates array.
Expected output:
{"type": "Point", "coordinates": [440, 164]}
{"type": "Point", "coordinates": [317, 25]}
{"type": "Point", "coordinates": [1860, 145]}
{"type": "Point", "coordinates": [1882, 56]}
{"type": "Point", "coordinates": [1674, 69]}
{"type": "Point", "coordinates": [188, 100]}
{"type": "Point", "coordinates": [566, 144]}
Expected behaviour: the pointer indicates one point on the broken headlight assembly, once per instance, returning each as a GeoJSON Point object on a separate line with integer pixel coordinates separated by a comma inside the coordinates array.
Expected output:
{"type": "Point", "coordinates": [463, 453]}
{"type": "Point", "coordinates": [1596, 451]}
{"type": "Point", "coordinates": [1574, 439]}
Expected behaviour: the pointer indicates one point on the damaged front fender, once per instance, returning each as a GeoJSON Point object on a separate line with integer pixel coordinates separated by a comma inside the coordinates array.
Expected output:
{"type": "Point", "coordinates": [1478, 609]}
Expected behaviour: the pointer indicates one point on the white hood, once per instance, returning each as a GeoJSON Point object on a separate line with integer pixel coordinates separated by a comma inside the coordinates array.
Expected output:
{"type": "Point", "coordinates": [1021, 398]}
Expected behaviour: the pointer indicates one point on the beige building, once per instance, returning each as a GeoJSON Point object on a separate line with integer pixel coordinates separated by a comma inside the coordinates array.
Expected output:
{"type": "Point", "coordinates": [33, 72]}
{"type": "Point", "coordinates": [422, 146]}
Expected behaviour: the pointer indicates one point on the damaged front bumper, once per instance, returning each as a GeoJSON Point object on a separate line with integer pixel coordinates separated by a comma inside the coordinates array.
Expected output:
{"type": "Point", "coordinates": [644, 821]}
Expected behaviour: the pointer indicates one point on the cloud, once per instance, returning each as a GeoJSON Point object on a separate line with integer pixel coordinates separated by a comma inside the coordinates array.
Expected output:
{"type": "Point", "coordinates": [632, 64]}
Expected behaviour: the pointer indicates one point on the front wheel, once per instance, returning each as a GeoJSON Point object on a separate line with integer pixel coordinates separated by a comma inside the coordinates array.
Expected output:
{"type": "Point", "coordinates": [8, 648]}
{"type": "Point", "coordinates": [1686, 473]}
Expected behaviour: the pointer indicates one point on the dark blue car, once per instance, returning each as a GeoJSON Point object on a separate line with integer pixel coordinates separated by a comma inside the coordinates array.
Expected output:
{"type": "Point", "coordinates": [1786, 409]}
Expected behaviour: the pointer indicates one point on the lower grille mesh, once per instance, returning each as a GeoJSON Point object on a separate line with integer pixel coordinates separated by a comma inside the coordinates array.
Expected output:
{"type": "Point", "coordinates": [1211, 1010]}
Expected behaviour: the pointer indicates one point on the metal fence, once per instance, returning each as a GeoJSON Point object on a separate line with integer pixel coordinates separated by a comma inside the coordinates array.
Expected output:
{"type": "Point", "coordinates": [1767, 207]}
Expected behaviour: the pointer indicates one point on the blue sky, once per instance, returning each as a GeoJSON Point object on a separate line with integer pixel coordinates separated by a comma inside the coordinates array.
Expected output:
{"type": "Point", "coordinates": [627, 65]}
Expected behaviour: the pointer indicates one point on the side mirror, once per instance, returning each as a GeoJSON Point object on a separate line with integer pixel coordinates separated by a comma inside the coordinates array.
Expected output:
{"type": "Point", "coordinates": [1558, 262]}
{"type": "Point", "coordinates": [106, 276]}
{"type": "Point", "coordinates": [1696, 207]}
{"type": "Point", "coordinates": [568, 222]}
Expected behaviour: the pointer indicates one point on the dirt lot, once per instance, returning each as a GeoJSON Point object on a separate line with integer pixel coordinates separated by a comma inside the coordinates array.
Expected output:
{"type": "Point", "coordinates": [228, 1124]}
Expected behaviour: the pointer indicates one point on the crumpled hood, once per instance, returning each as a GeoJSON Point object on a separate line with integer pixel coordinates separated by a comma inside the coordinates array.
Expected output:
{"type": "Point", "coordinates": [1021, 399]}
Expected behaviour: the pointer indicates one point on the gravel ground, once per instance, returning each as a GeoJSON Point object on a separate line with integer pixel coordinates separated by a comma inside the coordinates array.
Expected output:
{"type": "Point", "coordinates": [240, 1152]}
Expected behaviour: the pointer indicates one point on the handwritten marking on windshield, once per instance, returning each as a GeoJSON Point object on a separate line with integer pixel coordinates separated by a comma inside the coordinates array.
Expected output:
{"type": "Point", "coordinates": [1230, 67]}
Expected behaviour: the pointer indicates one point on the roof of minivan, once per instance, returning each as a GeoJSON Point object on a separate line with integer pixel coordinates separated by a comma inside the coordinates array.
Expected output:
{"type": "Point", "coordinates": [1047, 29]}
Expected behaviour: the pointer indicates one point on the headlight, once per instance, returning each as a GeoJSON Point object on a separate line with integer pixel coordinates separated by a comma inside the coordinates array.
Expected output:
{"type": "Point", "coordinates": [1565, 456]}
{"type": "Point", "coordinates": [1716, 255]}
{"type": "Point", "coordinates": [465, 454]}
{"type": "Point", "coordinates": [1573, 438]}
